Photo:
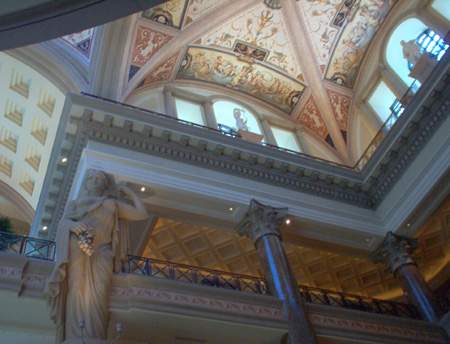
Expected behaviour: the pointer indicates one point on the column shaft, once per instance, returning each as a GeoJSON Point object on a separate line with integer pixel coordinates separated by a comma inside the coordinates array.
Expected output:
{"type": "Point", "coordinates": [418, 292]}
{"type": "Point", "coordinates": [282, 284]}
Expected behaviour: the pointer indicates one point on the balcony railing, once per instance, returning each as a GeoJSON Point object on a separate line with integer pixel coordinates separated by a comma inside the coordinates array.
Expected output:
{"type": "Point", "coordinates": [381, 134]}
{"type": "Point", "coordinates": [29, 247]}
{"type": "Point", "coordinates": [194, 274]}
{"type": "Point", "coordinates": [220, 279]}
{"type": "Point", "coordinates": [44, 249]}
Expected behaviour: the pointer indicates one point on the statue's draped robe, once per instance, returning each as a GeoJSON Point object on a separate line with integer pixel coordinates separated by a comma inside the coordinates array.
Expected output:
{"type": "Point", "coordinates": [78, 287]}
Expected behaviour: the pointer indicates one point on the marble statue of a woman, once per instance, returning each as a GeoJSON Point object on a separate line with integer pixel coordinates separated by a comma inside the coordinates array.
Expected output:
{"type": "Point", "coordinates": [91, 241]}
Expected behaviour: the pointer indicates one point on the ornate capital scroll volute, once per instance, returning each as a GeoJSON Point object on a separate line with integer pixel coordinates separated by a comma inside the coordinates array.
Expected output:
{"type": "Point", "coordinates": [261, 220]}
{"type": "Point", "coordinates": [395, 251]}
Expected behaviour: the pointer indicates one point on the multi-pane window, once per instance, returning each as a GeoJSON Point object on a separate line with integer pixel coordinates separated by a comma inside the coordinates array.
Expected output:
{"type": "Point", "coordinates": [432, 43]}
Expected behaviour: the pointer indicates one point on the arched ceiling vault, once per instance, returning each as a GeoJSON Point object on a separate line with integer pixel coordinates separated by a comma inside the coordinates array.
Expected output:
{"type": "Point", "coordinates": [302, 59]}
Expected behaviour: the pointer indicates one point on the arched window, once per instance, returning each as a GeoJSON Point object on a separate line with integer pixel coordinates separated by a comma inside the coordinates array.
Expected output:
{"type": "Point", "coordinates": [231, 117]}
{"type": "Point", "coordinates": [408, 30]}
{"type": "Point", "coordinates": [432, 43]}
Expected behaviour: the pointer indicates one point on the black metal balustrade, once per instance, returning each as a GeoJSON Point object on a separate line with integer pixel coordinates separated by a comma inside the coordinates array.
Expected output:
{"type": "Point", "coordinates": [194, 274]}
{"type": "Point", "coordinates": [44, 249]}
{"type": "Point", "coordinates": [356, 302]}
{"type": "Point", "coordinates": [29, 247]}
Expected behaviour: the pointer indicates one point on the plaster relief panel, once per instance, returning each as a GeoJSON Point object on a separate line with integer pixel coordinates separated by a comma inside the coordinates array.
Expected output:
{"type": "Point", "coordinates": [341, 107]}
{"type": "Point", "coordinates": [162, 72]}
{"type": "Point", "coordinates": [259, 31]}
{"type": "Point", "coordinates": [147, 43]}
{"type": "Point", "coordinates": [81, 41]}
{"type": "Point", "coordinates": [310, 117]}
{"type": "Point", "coordinates": [249, 77]}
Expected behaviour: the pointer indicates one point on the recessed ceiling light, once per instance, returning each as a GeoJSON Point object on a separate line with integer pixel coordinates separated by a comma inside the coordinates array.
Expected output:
{"type": "Point", "coordinates": [368, 239]}
{"type": "Point", "coordinates": [288, 221]}
{"type": "Point", "coordinates": [408, 225]}
{"type": "Point", "coordinates": [231, 209]}
{"type": "Point", "coordinates": [44, 228]}
{"type": "Point", "coordinates": [143, 188]}
{"type": "Point", "coordinates": [63, 160]}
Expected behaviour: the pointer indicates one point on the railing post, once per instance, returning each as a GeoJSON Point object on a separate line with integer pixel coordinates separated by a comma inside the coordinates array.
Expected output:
{"type": "Point", "coordinates": [325, 297]}
{"type": "Point", "coordinates": [148, 269]}
{"type": "Point", "coordinates": [172, 271]}
{"type": "Point", "coordinates": [237, 283]}
{"type": "Point", "coordinates": [22, 245]}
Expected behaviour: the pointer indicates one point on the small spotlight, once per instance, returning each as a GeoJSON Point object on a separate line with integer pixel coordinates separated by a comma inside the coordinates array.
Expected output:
{"type": "Point", "coordinates": [64, 160]}
{"type": "Point", "coordinates": [288, 221]}
{"type": "Point", "coordinates": [368, 239]}
{"type": "Point", "coordinates": [143, 188]}
{"type": "Point", "coordinates": [231, 209]}
{"type": "Point", "coordinates": [44, 228]}
{"type": "Point", "coordinates": [408, 225]}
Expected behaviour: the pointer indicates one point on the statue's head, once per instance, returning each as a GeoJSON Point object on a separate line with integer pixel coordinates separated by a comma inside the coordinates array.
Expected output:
{"type": "Point", "coordinates": [97, 183]}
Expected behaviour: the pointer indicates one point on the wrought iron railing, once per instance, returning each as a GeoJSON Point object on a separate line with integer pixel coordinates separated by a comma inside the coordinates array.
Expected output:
{"type": "Point", "coordinates": [385, 128]}
{"type": "Point", "coordinates": [44, 249]}
{"type": "Point", "coordinates": [356, 302]}
{"type": "Point", "coordinates": [194, 274]}
{"type": "Point", "coordinates": [220, 279]}
{"type": "Point", "coordinates": [29, 247]}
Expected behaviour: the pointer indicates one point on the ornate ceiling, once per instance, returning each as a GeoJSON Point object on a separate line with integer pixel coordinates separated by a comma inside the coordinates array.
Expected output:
{"type": "Point", "coordinates": [260, 54]}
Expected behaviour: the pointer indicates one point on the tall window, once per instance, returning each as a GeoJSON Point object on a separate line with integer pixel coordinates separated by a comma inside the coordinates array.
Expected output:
{"type": "Point", "coordinates": [432, 43]}
{"type": "Point", "coordinates": [285, 139]}
{"type": "Point", "coordinates": [190, 112]}
{"type": "Point", "coordinates": [382, 100]}
{"type": "Point", "coordinates": [231, 117]}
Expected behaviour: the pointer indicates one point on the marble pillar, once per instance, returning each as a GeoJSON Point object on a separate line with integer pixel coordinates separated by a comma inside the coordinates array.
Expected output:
{"type": "Point", "coordinates": [210, 118]}
{"type": "Point", "coordinates": [268, 134]}
{"type": "Point", "coordinates": [169, 101]}
{"type": "Point", "coordinates": [261, 223]}
{"type": "Point", "coordinates": [302, 141]}
{"type": "Point", "coordinates": [397, 253]}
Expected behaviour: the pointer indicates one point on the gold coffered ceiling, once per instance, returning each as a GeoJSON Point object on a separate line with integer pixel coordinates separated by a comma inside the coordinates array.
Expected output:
{"type": "Point", "coordinates": [216, 249]}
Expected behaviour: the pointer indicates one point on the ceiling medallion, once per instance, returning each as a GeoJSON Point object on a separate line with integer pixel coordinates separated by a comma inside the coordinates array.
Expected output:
{"type": "Point", "coordinates": [274, 4]}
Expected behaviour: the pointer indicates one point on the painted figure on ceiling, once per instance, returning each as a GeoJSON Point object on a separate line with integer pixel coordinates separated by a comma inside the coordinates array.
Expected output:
{"type": "Point", "coordinates": [91, 243]}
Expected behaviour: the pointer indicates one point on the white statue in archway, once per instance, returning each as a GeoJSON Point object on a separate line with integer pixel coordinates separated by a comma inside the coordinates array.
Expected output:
{"type": "Point", "coordinates": [411, 51]}
{"type": "Point", "coordinates": [91, 241]}
{"type": "Point", "coordinates": [241, 123]}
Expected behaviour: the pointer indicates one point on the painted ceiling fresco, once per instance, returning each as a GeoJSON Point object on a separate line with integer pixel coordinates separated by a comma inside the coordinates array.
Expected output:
{"type": "Point", "coordinates": [147, 43]}
{"type": "Point", "coordinates": [81, 41]}
{"type": "Point", "coordinates": [181, 13]}
{"type": "Point", "coordinates": [260, 33]}
{"type": "Point", "coordinates": [170, 13]}
{"type": "Point", "coordinates": [243, 75]}
{"type": "Point", "coordinates": [360, 20]}
{"type": "Point", "coordinates": [318, 16]}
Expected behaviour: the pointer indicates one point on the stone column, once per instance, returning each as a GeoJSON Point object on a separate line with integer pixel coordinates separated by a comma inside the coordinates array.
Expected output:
{"type": "Point", "coordinates": [209, 115]}
{"type": "Point", "coordinates": [396, 252]}
{"type": "Point", "coordinates": [261, 223]}
{"type": "Point", "coordinates": [169, 101]}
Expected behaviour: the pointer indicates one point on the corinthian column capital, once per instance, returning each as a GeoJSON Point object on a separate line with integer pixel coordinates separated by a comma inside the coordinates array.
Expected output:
{"type": "Point", "coordinates": [261, 220]}
{"type": "Point", "coordinates": [395, 251]}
